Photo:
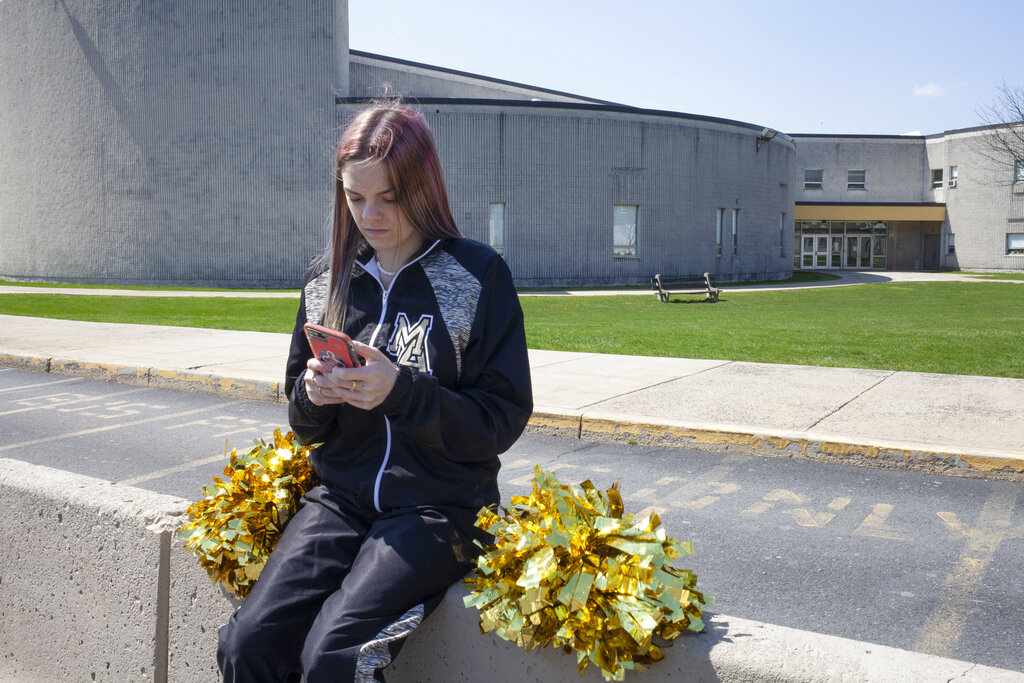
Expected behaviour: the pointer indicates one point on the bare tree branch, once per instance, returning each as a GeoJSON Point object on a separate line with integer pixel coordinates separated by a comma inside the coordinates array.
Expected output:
{"type": "Point", "coordinates": [1002, 145]}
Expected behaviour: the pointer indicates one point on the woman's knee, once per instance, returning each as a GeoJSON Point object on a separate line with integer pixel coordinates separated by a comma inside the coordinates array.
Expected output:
{"type": "Point", "coordinates": [246, 652]}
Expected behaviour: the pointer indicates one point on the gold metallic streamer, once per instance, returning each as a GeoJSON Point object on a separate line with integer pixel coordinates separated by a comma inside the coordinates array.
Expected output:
{"type": "Point", "coordinates": [569, 568]}
{"type": "Point", "coordinates": [237, 523]}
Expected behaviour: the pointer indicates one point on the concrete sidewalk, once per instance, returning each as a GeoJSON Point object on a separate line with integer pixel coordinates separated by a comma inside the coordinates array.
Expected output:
{"type": "Point", "coordinates": [941, 423]}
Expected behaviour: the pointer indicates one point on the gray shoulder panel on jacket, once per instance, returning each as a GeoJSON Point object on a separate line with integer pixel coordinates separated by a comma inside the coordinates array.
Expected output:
{"type": "Point", "coordinates": [457, 292]}
{"type": "Point", "coordinates": [316, 297]}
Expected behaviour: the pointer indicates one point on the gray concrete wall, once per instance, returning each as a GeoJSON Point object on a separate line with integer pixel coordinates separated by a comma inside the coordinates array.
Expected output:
{"type": "Point", "coordinates": [559, 172]}
{"type": "Point", "coordinates": [896, 168]}
{"type": "Point", "coordinates": [983, 207]}
{"type": "Point", "coordinates": [165, 142]}
{"type": "Point", "coordinates": [410, 80]}
{"type": "Point", "coordinates": [95, 586]}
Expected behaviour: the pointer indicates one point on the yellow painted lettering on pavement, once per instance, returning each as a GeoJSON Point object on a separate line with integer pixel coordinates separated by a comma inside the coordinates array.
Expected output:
{"type": "Point", "coordinates": [944, 626]}
{"type": "Point", "coordinates": [804, 516]}
{"type": "Point", "coordinates": [875, 526]}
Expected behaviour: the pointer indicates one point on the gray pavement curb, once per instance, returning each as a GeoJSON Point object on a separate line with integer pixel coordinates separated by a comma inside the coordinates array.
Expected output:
{"type": "Point", "coordinates": [779, 444]}
{"type": "Point", "coordinates": [596, 426]}
{"type": "Point", "coordinates": [96, 566]}
{"type": "Point", "coordinates": [165, 378]}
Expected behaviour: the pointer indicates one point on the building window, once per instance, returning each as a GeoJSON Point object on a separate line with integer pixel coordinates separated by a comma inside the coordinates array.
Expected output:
{"type": "Point", "coordinates": [950, 243]}
{"type": "Point", "coordinates": [936, 178]}
{"type": "Point", "coordinates": [855, 179]}
{"type": "Point", "coordinates": [735, 231]}
{"type": "Point", "coordinates": [813, 178]}
{"type": "Point", "coordinates": [1015, 243]}
{"type": "Point", "coordinates": [782, 234]}
{"type": "Point", "coordinates": [1018, 171]}
{"type": "Point", "coordinates": [497, 227]}
{"type": "Point", "coordinates": [624, 229]}
{"type": "Point", "coordinates": [954, 174]}
{"type": "Point", "coordinates": [719, 221]}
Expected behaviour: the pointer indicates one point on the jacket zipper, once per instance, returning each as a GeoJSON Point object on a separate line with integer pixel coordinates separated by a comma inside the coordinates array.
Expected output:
{"type": "Point", "coordinates": [373, 342]}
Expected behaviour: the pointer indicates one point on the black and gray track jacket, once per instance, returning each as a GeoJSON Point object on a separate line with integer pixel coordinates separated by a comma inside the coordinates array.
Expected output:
{"type": "Point", "coordinates": [452, 323]}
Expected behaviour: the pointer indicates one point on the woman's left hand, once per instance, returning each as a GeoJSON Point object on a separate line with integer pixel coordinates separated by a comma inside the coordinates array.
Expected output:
{"type": "Point", "coordinates": [365, 387]}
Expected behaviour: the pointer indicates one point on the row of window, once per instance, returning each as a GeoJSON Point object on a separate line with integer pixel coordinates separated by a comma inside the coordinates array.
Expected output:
{"type": "Point", "coordinates": [1014, 243]}
{"type": "Point", "coordinates": [856, 178]}
{"type": "Point", "coordinates": [814, 179]}
{"type": "Point", "coordinates": [624, 229]}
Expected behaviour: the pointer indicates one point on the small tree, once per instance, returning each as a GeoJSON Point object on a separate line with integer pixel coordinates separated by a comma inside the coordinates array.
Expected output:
{"type": "Point", "coordinates": [1003, 144]}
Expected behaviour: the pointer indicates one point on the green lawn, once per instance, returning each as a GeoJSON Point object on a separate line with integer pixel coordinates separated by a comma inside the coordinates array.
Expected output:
{"type": "Point", "coordinates": [50, 285]}
{"type": "Point", "coordinates": [960, 328]}
{"type": "Point", "coordinates": [259, 315]}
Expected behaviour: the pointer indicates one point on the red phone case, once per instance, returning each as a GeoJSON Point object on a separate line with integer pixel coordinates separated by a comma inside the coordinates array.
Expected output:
{"type": "Point", "coordinates": [331, 346]}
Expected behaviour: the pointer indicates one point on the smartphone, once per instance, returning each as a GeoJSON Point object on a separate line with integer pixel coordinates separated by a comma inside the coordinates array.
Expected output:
{"type": "Point", "coordinates": [331, 346]}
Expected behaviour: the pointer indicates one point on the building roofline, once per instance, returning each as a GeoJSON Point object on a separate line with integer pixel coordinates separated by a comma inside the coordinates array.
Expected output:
{"type": "Point", "coordinates": [932, 136]}
{"type": "Point", "coordinates": [478, 77]}
{"type": "Point", "coordinates": [849, 135]}
{"type": "Point", "coordinates": [871, 204]}
{"type": "Point", "coordinates": [580, 106]}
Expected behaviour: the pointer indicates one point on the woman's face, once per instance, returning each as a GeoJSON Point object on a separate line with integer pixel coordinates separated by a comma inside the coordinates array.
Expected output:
{"type": "Point", "coordinates": [374, 206]}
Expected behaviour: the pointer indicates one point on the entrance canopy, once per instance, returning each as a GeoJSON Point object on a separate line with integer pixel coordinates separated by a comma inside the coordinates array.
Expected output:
{"type": "Point", "coordinates": [852, 211]}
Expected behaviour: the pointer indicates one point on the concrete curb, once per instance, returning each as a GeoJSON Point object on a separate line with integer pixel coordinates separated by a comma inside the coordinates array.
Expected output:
{"type": "Point", "coordinates": [597, 426]}
{"type": "Point", "coordinates": [96, 586]}
{"type": "Point", "coordinates": [164, 378]}
{"type": "Point", "coordinates": [989, 464]}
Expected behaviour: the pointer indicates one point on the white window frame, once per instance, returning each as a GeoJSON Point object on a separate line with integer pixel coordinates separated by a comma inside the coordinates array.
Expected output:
{"type": "Point", "coordinates": [1018, 171]}
{"type": "Point", "coordinates": [628, 247]}
{"type": "Point", "coordinates": [1015, 243]}
{"type": "Point", "coordinates": [782, 234]}
{"type": "Point", "coordinates": [852, 184]}
{"type": "Point", "coordinates": [735, 232]}
{"type": "Point", "coordinates": [814, 184]}
{"type": "Point", "coordinates": [954, 175]}
{"type": "Point", "coordinates": [496, 226]}
{"type": "Point", "coordinates": [719, 226]}
{"type": "Point", "coordinates": [951, 243]}
{"type": "Point", "coordinates": [936, 178]}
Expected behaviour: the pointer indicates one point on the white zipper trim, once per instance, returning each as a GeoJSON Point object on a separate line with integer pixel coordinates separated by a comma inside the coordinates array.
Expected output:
{"type": "Point", "coordinates": [383, 464]}
{"type": "Point", "coordinates": [373, 342]}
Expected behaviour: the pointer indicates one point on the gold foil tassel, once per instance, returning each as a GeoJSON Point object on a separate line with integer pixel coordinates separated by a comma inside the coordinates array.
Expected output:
{"type": "Point", "coordinates": [570, 568]}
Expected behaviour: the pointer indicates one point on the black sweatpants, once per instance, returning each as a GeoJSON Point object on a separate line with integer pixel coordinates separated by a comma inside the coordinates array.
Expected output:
{"type": "Point", "coordinates": [341, 590]}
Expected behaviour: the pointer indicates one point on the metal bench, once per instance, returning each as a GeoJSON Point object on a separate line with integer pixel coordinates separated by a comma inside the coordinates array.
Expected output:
{"type": "Point", "coordinates": [709, 291]}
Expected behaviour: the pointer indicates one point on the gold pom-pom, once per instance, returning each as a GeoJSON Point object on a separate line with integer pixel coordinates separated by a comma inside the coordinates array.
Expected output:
{"type": "Point", "coordinates": [237, 523]}
{"type": "Point", "coordinates": [569, 568]}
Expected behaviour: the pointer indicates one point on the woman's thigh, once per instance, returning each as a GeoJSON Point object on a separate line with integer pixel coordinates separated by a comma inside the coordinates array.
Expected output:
{"type": "Point", "coordinates": [308, 564]}
{"type": "Point", "coordinates": [403, 568]}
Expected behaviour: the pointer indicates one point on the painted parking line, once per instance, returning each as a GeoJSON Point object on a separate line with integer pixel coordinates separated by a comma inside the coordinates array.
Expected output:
{"type": "Point", "coordinates": [184, 467]}
{"type": "Point", "coordinates": [944, 626]}
{"type": "Point", "coordinates": [105, 428]}
{"type": "Point", "coordinates": [42, 384]}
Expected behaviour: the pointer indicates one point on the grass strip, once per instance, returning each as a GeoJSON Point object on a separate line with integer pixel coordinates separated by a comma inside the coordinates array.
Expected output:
{"type": "Point", "coordinates": [948, 327]}
{"type": "Point", "coordinates": [67, 285]}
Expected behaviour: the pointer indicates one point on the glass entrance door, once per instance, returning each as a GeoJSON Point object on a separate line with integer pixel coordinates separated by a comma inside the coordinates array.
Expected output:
{"type": "Point", "coordinates": [814, 251]}
{"type": "Point", "coordinates": [858, 251]}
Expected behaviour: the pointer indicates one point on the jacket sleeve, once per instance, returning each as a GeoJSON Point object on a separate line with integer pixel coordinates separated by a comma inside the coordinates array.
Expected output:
{"type": "Point", "coordinates": [310, 422]}
{"type": "Point", "coordinates": [494, 399]}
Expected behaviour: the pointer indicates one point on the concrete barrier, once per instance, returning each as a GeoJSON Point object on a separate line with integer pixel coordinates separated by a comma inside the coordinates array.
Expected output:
{"type": "Point", "coordinates": [94, 586]}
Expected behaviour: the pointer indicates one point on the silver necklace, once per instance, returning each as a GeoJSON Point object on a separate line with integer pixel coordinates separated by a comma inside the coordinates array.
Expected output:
{"type": "Point", "coordinates": [381, 269]}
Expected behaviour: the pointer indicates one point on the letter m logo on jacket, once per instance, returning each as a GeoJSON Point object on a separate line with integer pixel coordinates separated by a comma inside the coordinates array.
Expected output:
{"type": "Point", "coordinates": [408, 342]}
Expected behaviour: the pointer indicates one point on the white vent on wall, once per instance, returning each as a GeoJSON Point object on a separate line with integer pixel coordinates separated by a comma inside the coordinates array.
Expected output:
{"type": "Point", "coordinates": [952, 183]}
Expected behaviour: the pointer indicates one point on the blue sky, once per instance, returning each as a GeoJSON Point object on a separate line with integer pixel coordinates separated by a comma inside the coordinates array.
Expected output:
{"type": "Point", "coordinates": [802, 67]}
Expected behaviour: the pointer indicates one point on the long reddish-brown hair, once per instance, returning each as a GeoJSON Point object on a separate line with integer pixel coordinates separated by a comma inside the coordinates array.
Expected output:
{"type": "Point", "coordinates": [398, 137]}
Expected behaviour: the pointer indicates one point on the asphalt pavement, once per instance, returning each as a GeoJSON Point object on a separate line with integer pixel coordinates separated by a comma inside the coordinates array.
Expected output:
{"type": "Point", "coordinates": [861, 553]}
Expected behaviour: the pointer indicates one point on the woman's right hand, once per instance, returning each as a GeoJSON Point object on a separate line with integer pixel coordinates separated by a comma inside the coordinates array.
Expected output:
{"type": "Point", "coordinates": [321, 385]}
